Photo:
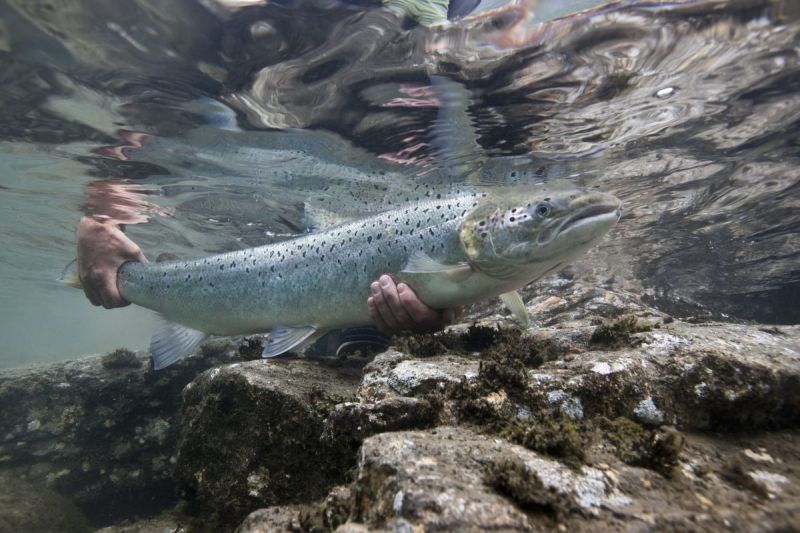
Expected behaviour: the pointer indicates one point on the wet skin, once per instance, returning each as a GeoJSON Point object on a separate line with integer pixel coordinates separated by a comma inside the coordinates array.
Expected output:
{"type": "Point", "coordinates": [103, 248]}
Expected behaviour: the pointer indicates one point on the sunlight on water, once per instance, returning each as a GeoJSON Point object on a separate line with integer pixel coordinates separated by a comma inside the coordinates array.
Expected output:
{"type": "Point", "coordinates": [220, 124]}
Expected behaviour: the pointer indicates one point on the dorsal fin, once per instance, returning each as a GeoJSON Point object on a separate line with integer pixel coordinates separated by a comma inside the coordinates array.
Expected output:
{"type": "Point", "coordinates": [321, 219]}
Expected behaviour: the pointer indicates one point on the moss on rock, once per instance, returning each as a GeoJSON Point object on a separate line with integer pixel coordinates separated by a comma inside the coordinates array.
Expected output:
{"type": "Point", "coordinates": [618, 332]}
{"type": "Point", "coordinates": [120, 358]}
{"type": "Point", "coordinates": [656, 449]}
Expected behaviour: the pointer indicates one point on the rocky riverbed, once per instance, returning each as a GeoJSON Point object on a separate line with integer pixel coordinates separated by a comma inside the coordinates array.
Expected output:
{"type": "Point", "coordinates": [605, 415]}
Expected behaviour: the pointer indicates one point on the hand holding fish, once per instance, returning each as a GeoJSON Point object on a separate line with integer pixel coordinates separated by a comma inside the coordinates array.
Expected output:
{"type": "Point", "coordinates": [102, 249]}
{"type": "Point", "coordinates": [395, 309]}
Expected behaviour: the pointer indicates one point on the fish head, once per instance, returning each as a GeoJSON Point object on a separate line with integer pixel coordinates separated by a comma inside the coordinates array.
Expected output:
{"type": "Point", "coordinates": [529, 232]}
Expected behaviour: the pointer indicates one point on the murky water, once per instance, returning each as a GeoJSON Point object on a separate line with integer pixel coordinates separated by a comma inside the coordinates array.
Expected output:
{"type": "Point", "coordinates": [210, 125]}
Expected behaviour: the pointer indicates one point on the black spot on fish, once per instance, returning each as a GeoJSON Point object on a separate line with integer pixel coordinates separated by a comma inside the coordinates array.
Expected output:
{"type": "Point", "coordinates": [369, 238]}
{"type": "Point", "coordinates": [512, 219]}
{"type": "Point", "coordinates": [222, 267]}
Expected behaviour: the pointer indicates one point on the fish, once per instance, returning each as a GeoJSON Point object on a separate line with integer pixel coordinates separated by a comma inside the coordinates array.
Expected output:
{"type": "Point", "coordinates": [450, 249]}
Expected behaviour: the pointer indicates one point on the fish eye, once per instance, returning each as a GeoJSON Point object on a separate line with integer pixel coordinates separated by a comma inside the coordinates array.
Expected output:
{"type": "Point", "coordinates": [543, 209]}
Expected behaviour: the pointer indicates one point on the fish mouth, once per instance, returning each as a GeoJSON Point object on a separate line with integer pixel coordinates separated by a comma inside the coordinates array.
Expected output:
{"type": "Point", "coordinates": [595, 212]}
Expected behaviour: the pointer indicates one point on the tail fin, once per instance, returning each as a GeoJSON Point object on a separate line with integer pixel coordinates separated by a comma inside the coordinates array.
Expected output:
{"type": "Point", "coordinates": [69, 275]}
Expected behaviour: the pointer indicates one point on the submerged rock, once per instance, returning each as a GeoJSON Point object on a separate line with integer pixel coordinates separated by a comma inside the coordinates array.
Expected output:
{"type": "Point", "coordinates": [696, 376]}
{"type": "Point", "coordinates": [27, 507]}
{"type": "Point", "coordinates": [100, 430]}
{"type": "Point", "coordinates": [252, 435]}
{"type": "Point", "coordinates": [454, 479]}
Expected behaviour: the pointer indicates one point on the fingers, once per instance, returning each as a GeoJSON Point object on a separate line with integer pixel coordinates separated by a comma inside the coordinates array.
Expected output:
{"type": "Point", "coordinates": [376, 317]}
{"type": "Point", "coordinates": [100, 287]}
{"type": "Point", "coordinates": [102, 249]}
{"type": "Point", "coordinates": [91, 293]}
{"type": "Point", "coordinates": [109, 293]}
{"type": "Point", "coordinates": [425, 318]}
{"type": "Point", "coordinates": [396, 309]}
{"type": "Point", "coordinates": [386, 302]}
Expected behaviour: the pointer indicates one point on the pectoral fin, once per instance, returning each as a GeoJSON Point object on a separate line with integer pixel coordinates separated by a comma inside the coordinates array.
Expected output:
{"type": "Point", "coordinates": [422, 263]}
{"type": "Point", "coordinates": [172, 342]}
{"type": "Point", "coordinates": [514, 302]}
{"type": "Point", "coordinates": [282, 339]}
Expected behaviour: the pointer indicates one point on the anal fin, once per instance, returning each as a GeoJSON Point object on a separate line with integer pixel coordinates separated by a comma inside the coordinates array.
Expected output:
{"type": "Point", "coordinates": [172, 341]}
{"type": "Point", "coordinates": [282, 339]}
{"type": "Point", "coordinates": [514, 302]}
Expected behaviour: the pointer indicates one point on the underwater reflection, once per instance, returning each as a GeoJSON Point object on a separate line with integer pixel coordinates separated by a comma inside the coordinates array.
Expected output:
{"type": "Point", "coordinates": [217, 123]}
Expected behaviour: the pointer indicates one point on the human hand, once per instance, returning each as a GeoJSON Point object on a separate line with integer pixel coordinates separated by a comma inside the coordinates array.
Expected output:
{"type": "Point", "coordinates": [102, 249]}
{"type": "Point", "coordinates": [396, 309]}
